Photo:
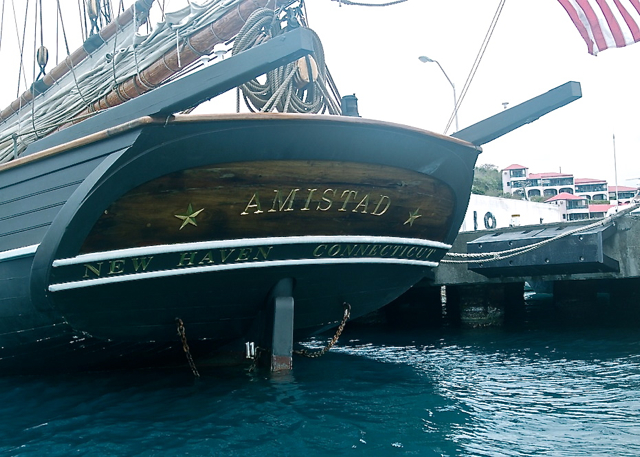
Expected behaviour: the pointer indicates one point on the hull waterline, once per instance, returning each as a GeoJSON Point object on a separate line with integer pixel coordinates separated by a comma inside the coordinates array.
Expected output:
{"type": "Point", "coordinates": [199, 218]}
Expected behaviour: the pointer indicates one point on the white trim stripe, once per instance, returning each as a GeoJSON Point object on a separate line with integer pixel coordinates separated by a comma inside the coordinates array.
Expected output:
{"type": "Point", "coordinates": [210, 268]}
{"type": "Point", "coordinates": [243, 242]}
{"type": "Point", "coordinates": [18, 253]}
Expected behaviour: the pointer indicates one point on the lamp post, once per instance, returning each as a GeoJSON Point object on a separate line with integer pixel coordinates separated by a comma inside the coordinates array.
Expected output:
{"type": "Point", "coordinates": [425, 59]}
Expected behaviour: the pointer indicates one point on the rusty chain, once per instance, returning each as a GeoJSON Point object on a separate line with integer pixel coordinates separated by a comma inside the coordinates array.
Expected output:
{"type": "Point", "coordinates": [334, 340]}
{"type": "Point", "coordinates": [183, 337]}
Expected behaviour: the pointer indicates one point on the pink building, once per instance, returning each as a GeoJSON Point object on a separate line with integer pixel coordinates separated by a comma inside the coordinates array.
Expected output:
{"type": "Point", "coordinates": [592, 189]}
{"type": "Point", "coordinates": [623, 193]}
{"type": "Point", "coordinates": [599, 210]}
{"type": "Point", "coordinates": [517, 180]}
{"type": "Point", "coordinates": [574, 207]}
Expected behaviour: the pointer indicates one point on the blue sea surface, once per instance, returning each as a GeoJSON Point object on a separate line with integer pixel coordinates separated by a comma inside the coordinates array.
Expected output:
{"type": "Point", "coordinates": [423, 392]}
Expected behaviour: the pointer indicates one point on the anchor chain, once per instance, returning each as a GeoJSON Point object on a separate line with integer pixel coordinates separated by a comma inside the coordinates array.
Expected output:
{"type": "Point", "coordinates": [183, 337]}
{"type": "Point", "coordinates": [254, 364]}
{"type": "Point", "coordinates": [334, 340]}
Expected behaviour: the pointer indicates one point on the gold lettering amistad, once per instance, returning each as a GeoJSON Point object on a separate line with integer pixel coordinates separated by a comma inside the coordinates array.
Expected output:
{"type": "Point", "coordinates": [323, 200]}
{"type": "Point", "coordinates": [254, 202]}
{"type": "Point", "coordinates": [286, 205]}
{"type": "Point", "coordinates": [308, 202]}
{"type": "Point", "coordinates": [327, 197]}
{"type": "Point", "coordinates": [349, 194]}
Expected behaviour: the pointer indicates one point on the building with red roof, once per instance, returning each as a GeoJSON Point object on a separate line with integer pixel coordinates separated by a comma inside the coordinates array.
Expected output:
{"type": "Point", "coordinates": [623, 194]}
{"type": "Point", "coordinates": [593, 189]}
{"type": "Point", "coordinates": [571, 194]}
{"type": "Point", "coordinates": [599, 210]}
{"type": "Point", "coordinates": [574, 207]}
{"type": "Point", "coordinates": [518, 181]}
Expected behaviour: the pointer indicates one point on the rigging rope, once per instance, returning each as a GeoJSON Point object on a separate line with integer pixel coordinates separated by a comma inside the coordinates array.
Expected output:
{"type": "Point", "coordinates": [83, 20]}
{"type": "Point", "coordinates": [33, 76]}
{"type": "Point", "coordinates": [501, 255]}
{"type": "Point", "coordinates": [87, 80]}
{"type": "Point", "coordinates": [476, 63]}
{"type": "Point", "coordinates": [2, 23]}
{"type": "Point", "coordinates": [21, 71]}
{"type": "Point", "coordinates": [66, 43]}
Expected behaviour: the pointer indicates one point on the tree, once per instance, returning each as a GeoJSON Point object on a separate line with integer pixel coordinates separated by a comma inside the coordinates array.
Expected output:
{"type": "Point", "coordinates": [487, 181]}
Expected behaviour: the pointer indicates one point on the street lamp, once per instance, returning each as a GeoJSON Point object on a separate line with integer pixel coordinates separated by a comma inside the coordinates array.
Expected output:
{"type": "Point", "coordinates": [425, 59]}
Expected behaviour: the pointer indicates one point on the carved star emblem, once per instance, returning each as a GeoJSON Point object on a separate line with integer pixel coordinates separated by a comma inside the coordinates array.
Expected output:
{"type": "Point", "coordinates": [413, 215]}
{"type": "Point", "coordinates": [190, 217]}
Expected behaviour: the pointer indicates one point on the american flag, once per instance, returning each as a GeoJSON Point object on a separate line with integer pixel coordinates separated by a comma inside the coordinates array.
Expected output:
{"type": "Point", "coordinates": [605, 24]}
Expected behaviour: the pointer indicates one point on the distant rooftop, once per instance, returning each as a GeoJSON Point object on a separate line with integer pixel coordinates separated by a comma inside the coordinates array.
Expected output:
{"type": "Point", "coordinates": [589, 181]}
{"type": "Point", "coordinates": [515, 166]}
{"type": "Point", "coordinates": [600, 208]}
{"type": "Point", "coordinates": [564, 196]}
{"type": "Point", "coordinates": [549, 175]}
{"type": "Point", "coordinates": [622, 189]}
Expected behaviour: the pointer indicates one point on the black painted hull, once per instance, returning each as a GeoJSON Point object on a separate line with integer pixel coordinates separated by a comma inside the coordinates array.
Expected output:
{"type": "Point", "coordinates": [99, 253]}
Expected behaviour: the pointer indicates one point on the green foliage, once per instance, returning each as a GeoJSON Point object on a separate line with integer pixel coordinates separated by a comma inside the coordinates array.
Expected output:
{"type": "Point", "coordinates": [509, 195]}
{"type": "Point", "coordinates": [487, 181]}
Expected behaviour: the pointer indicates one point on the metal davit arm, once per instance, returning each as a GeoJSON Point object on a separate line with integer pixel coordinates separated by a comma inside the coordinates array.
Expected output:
{"type": "Point", "coordinates": [524, 113]}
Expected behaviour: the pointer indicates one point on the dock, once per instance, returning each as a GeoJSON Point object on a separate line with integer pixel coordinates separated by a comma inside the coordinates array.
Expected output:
{"type": "Point", "coordinates": [577, 263]}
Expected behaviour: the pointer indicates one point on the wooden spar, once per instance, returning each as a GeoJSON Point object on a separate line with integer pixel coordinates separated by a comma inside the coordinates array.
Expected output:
{"type": "Point", "coordinates": [77, 57]}
{"type": "Point", "coordinates": [195, 46]}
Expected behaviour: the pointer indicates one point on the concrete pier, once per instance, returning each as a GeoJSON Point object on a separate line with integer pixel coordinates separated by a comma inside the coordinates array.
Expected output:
{"type": "Point", "coordinates": [581, 293]}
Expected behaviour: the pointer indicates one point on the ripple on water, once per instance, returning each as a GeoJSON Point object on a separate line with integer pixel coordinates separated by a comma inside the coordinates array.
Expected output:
{"type": "Point", "coordinates": [437, 393]}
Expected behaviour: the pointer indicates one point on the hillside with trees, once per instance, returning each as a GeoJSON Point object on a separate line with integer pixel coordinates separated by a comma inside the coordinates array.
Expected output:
{"type": "Point", "coordinates": [488, 181]}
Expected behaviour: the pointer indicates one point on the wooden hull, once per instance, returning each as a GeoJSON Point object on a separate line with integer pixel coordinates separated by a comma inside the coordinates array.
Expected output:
{"type": "Point", "coordinates": [199, 218]}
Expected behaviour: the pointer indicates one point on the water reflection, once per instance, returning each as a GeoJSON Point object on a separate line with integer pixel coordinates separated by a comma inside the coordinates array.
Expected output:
{"type": "Point", "coordinates": [537, 393]}
{"type": "Point", "coordinates": [436, 392]}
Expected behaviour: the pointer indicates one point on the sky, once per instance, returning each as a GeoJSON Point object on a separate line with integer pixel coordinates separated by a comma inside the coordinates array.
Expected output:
{"type": "Point", "coordinates": [373, 52]}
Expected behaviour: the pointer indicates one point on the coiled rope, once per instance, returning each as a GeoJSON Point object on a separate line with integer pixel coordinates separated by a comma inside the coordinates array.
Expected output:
{"type": "Point", "coordinates": [283, 90]}
{"type": "Point", "coordinates": [501, 255]}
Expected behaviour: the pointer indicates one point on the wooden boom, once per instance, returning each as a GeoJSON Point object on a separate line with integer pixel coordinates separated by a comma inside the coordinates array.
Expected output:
{"type": "Point", "coordinates": [191, 49]}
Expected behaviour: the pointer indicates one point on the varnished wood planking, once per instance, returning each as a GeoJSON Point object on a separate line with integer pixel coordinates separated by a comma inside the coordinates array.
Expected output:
{"type": "Point", "coordinates": [239, 200]}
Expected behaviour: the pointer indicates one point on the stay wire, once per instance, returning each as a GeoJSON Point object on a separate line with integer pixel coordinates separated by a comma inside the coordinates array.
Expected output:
{"type": "Point", "coordinates": [21, 72]}
{"type": "Point", "coordinates": [83, 20]}
{"type": "Point", "coordinates": [41, 26]}
{"type": "Point", "coordinates": [66, 43]}
{"type": "Point", "coordinates": [57, 37]}
{"type": "Point", "coordinates": [476, 63]}
{"type": "Point", "coordinates": [33, 77]}
{"type": "Point", "coordinates": [2, 23]}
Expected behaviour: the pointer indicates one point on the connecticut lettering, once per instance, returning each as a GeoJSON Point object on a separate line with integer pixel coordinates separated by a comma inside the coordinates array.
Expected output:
{"type": "Point", "coordinates": [320, 200]}
{"type": "Point", "coordinates": [393, 251]}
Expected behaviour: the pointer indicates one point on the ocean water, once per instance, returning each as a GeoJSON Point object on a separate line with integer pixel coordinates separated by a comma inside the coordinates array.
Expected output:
{"type": "Point", "coordinates": [528, 391]}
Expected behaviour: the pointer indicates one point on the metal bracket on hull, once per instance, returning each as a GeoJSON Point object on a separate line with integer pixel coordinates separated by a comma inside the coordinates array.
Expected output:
{"type": "Point", "coordinates": [278, 335]}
